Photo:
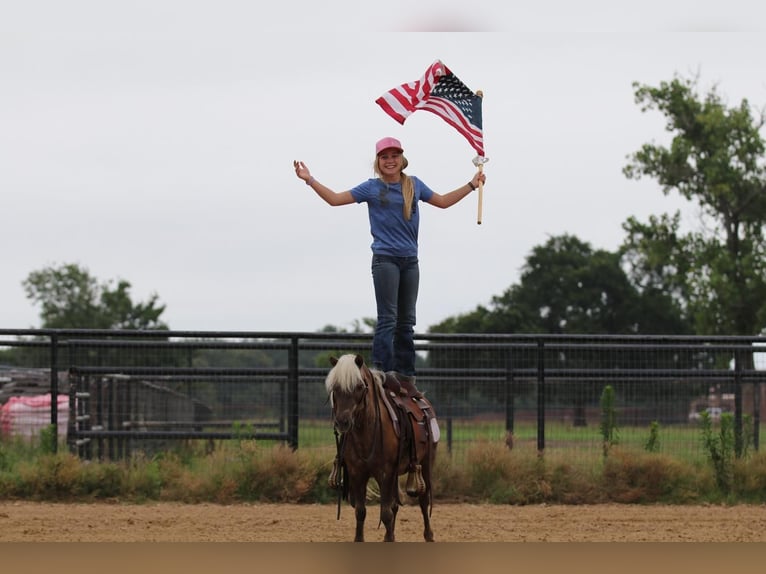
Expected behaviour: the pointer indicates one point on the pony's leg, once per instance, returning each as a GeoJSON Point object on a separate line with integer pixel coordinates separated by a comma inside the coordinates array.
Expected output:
{"type": "Point", "coordinates": [425, 503]}
{"type": "Point", "coordinates": [360, 510]}
{"type": "Point", "coordinates": [394, 511]}
{"type": "Point", "coordinates": [361, 513]}
{"type": "Point", "coordinates": [388, 509]}
{"type": "Point", "coordinates": [424, 500]}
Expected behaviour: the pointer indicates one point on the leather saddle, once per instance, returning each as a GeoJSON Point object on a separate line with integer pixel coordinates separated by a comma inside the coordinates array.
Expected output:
{"type": "Point", "coordinates": [403, 399]}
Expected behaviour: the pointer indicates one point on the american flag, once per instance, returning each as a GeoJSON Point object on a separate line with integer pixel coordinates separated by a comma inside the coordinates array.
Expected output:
{"type": "Point", "coordinates": [441, 92]}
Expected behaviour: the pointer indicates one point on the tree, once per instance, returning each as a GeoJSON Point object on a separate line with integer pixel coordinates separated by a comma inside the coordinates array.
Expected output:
{"type": "Point", "coordinates": [717, 273]}
{"type": "Point", "coordinates": [71, 298]}
{"type": "Point", "coordinates": [568, 287]}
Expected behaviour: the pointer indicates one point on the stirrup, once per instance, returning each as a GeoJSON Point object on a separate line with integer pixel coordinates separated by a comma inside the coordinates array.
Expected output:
{"type": "Point", "coordinates": [415, 483]}
{"type": "Point", "coordinates": [409, 389]}
{"type": "Point", "coordinates": [333, 481]}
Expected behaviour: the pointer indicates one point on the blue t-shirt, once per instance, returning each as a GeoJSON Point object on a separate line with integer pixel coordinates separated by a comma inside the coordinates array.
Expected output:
{"type": "Point", "coordinates": [391, 233]}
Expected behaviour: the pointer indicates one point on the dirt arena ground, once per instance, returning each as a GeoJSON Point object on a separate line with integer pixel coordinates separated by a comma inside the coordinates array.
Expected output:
{"type": "Point", "coordinates": [168, 522]}
{"type": "Point", "coordinates": [309, 539]}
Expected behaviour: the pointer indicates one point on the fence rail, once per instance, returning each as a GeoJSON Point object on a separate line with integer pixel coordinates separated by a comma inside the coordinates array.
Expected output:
{"type": "Point", "coordinates": [140, 390]}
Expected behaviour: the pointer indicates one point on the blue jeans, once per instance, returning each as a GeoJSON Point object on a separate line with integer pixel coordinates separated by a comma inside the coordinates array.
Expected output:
{"type": "Point", "coordinates": [396, 281]}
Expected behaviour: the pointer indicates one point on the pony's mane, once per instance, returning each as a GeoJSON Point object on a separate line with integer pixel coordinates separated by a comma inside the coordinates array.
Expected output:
{"type": "Point", "coordinates": [345, 374]}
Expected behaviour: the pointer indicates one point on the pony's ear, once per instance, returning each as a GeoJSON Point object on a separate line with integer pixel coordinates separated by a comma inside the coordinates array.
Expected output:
{"type": "Point", "coordinates": [333, 360]}
{"type": "Point", "coordinates": [359, 360]}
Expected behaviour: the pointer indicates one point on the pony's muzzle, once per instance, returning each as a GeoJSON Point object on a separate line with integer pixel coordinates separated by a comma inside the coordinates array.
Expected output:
{"type": "Point", "coordinates": [343, 422]}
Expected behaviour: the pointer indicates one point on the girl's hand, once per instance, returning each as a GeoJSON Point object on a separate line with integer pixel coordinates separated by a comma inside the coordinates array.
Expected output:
{"type": "Point", "coordinates": [301, 170]}
{"type": "Point", "coordinates": [479, 177]}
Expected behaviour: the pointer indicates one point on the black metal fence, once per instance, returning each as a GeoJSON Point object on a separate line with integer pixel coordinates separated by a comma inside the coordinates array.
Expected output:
{"type": "Point", "coordinates": [142, 391]}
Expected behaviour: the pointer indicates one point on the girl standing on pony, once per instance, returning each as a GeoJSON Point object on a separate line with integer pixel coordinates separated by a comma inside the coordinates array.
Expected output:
{"type": "Point", "coordinates": [392, 202]}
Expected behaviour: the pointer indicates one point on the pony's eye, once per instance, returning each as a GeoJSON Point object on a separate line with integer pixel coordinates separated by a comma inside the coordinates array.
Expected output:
{"type": "Point", "coordinates": [359, 387]}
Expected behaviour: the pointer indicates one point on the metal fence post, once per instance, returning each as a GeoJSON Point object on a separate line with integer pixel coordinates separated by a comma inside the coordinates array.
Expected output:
{"type": "Point", "coordinates": [54, 391]}
{"type": "Point", "coordinates": [738, 442]}
{"type": "Point", "coordinates": [509, 398]}
{"type": "Point", "coordinates": [756, 415]}
{"type": "Point", "coordinates": [292, 393]}
{"type": "Point", "coordinates": [540, 396]}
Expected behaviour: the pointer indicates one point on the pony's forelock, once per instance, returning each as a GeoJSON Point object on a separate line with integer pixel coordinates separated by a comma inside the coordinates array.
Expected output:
{"type": "Point", "coordinates": [343, 376]}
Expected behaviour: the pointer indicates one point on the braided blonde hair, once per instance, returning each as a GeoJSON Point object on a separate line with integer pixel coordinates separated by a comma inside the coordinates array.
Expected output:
{"type": "Point", "coordinates": [408, 189]}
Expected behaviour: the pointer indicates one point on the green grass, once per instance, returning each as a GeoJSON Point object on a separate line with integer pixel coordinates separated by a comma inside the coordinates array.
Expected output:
{"type": "Point", "coordinates": [481, 467]}
{"type": "Point", "coordinates": [684, 441]}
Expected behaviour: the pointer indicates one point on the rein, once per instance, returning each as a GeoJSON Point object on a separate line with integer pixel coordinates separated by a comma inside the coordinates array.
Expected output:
{"type": "Point", "coordinates": [377, 423]}
{"type": "Point", "coordinates": [340, 444]}
{"type": "Point", "coordinates": [340, 437]}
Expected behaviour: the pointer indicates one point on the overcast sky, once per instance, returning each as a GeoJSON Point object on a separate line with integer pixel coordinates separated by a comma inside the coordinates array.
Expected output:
{"type": "Point", "coordinates": [153, 142]}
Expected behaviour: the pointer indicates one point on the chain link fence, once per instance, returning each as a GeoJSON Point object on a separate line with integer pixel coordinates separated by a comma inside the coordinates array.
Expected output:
{"type": "Point", "coordinates": [131, 391]}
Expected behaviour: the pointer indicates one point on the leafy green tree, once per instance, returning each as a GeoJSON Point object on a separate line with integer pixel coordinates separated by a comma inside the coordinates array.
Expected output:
{"type": "Point", "coordinates": [70, 298]}
{"type": "Point", "coordinates": [716, 273]}
{"type": "Point", "coordinates": [567, 286]}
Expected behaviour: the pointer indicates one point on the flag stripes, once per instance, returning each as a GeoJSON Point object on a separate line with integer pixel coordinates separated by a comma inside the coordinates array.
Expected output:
{"type": "Point", "coordinates": [440, 92]}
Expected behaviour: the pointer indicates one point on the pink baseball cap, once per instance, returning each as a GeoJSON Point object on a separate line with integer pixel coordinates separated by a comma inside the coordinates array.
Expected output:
{"type": "Point", "coordinates": [388, 143]}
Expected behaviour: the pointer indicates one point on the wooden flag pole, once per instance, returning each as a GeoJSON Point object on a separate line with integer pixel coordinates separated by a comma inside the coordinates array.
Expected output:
{"type": "Point", "coordinates": [479, 162]}
{"type": "Point", "coordinates": [481, 195]}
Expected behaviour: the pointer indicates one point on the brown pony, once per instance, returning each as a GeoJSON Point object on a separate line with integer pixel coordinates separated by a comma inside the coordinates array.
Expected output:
{"type": "Point", "coordinates": [380, 440]}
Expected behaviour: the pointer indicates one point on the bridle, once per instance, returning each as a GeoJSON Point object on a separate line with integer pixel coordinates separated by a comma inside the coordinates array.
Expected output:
{"type": "Point", "coordinates": [340, 437]}
{"type": "Point", "coordinates": [362, 402]}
